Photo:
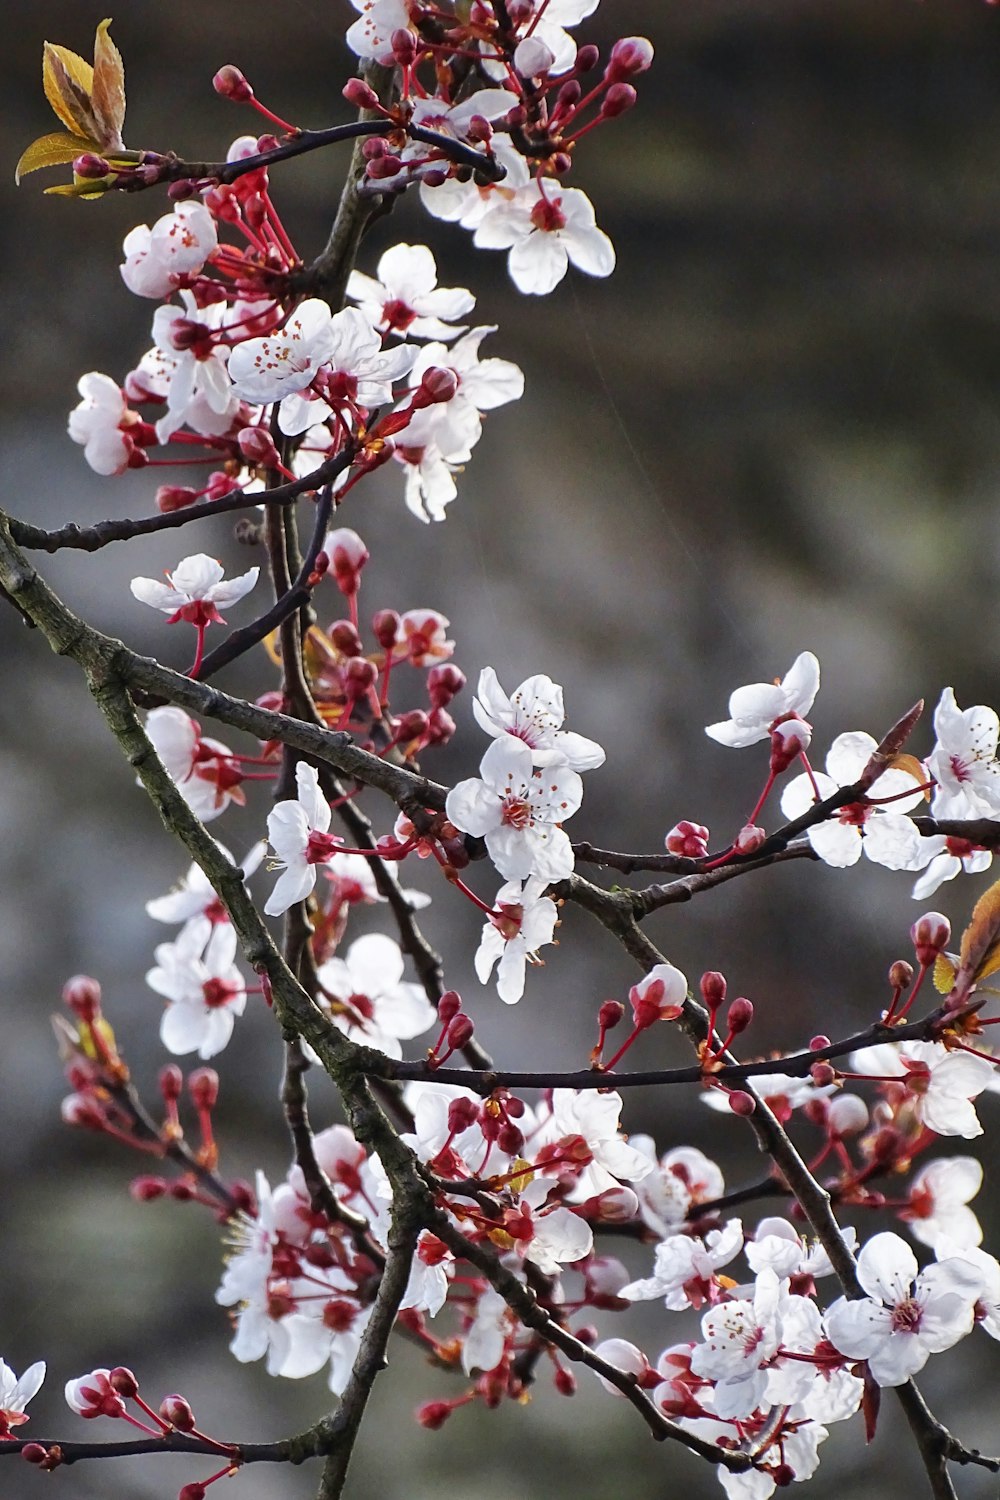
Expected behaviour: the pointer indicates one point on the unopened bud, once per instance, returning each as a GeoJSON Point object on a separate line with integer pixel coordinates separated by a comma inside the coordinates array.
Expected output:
{"type": "Point", "coordinates": [822, 1074]}
{"type": "Point", "coordinates": [404, 47]}
{"type": "Point", "coordinates": [257, 446]}
{"type": "Point", "coordinates": [847, 1114]}
{"type": "Point", "coordinates": [930, 933]}
{"type": "Point", "coordinates": [449, 1006]}
{"type": "Point", "coordinates": [411, 726]}
{"type": "Point", "coordinates": [713, 989]}
{"type": "Point", "coordinates": [145, 1189]}
{"type": "Point", "coordinates": [34, 1453]}
{"type": "Point", "coordinates": [232, 84]}
{"type": "Point", "coordinates": [462, 1114]}
{"type": "Point", "coordinates": [385, 628]}
{"type": "Point", "coordinates": [345, 637]}
{"type": "Point", "coordinates": [749, 839]}
{"type": "Point", "coordinates": [817, 1043]}
{"type": "Point", "coordinates": [203, 1088]}
{"type": "Point", "coordinates": [460, 1031]}
{"type": "Point", "coordinates": [739, 1015]}
{"type": "Point", "coordinates": [532, 58]}
{"type": "Point", "coordinates": [619, 98]}
{"type": "Point", "coordinates": [175, 1410]}
{"type": "Point", "coordinates": [587, 57]}
{"type": "Point", "coordinates": [381, 167]}
{"type": "Point", "coordinates": [83, 997]}
{"type": "Point", "coordinates": [122, 1380]}
{"type": "Point", "coordinates": [193, 1491]}
{"type": "Point", "coordinates": [434, 1414]}
{"type": "Point", "coordinates": [510, 1139]}
{"type": "Point", "coordinates": [629, 55]}
{"type": "Point", "coordinates": [360, 675]}
{"type": "Point", "coordinates": [440, 729]}
{"type": "Point", "coordinates": [789, 737]}
{"type": "Point", "coordinates": [742, 1103]}
{"type": "Point", "coordinates": [568, 96]}
{"type": "Point", "coordinates": [88, 165]}
{"type": "Point", "coordinates": [610, 1014]}
{"type": "Point", "coordinates": [443, 682]}
{"type": "Point", "coordinates": [688, 839]}
{"type": "Point", "coordinates": [438, 384]}
{"type": "Point", "coordinates": [170, 1081]}
{"type": "Point", "coordinates": [174, 497]}
{"type": "Point", "coordinates": [900, 974]}
{"type": "Point", "coordinates": [565, 1381]}
{"type": "Point", "coordinates": [360, 94]}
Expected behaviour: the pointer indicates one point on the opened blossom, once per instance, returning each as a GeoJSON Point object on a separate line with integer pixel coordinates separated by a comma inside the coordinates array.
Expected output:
{"type": "Point", "coordinates": [205, 991]}
{"type": "Point", "coordinates": [16, 1392]}
{"type": "Point", "coordinates": [533, 713]}
{"type": "Point", "coordinates": [403, 296]}
{"type": "Point", "coordinates": [298, 830]}
{"type": "Point", "coordinates": [940, 1194]}
{"type": "Point", "coordinates": [100, 423]}
{"type": "Point", "coordinates": [906, 1315]}
{"type": "Point", "coordinates": [938, 1085]}
{"type": "Point", "coordinates": [178, 245]}
{"type": "Point", "coordinates": [270, 368]}
{"type": "Point", "coordinates": [195, 590]}
{"type": "Point", "coordinates": [205, 771]}
{"type": "Point", "coordinates": [685, 1268]}
{"type": "Point", "coordinates": [964, 758]}
{"type": "Point", "coordinates": [754, 709]}
{"type": "Point", "coordinates": [524, 919]}
{"type": "Point", "coordinates": [366, 997]}
{"type": "Point", "coordinates": [874, 825]}
{"type": "Point", "coordinates": [545, 228]}
{"type": "Point", "coordinates": [518, 810]}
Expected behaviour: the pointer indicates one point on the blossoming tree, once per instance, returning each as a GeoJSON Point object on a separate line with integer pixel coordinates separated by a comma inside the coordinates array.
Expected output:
{"type": "Point", "coordinates": [466, 1203]}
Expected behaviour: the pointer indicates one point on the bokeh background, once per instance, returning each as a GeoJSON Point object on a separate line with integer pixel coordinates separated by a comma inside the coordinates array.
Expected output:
{"type": "Point", "coordinates": [775, 428]}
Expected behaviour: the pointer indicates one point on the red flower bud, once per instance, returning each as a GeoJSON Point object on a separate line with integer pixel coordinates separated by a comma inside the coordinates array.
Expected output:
{"type": "Point", "coordinates": [610, 1014]}
{"type": "Point", "coordinates": [630, 55]}
{"type": "Point", "coordinates": [385, 627]}
{"type": "Point", "coordinates": [739, 1015]}
{"type": "Point", "coordinates": [930, 933]}
{"type": "Point", "coordinates": [203, 1088]}
{"type": "Point", "coordinates": [619, 98]}
{"type": "Point", "coordinates": [175, 1410]}
{"type": "Point", "coordinates": [88, 165]}
{"type": "Point", "coordinates": [257, 446]}
{"type": "Point", "coordinates": [713, 989]}
{"type": "Point", "coordinates": [443, 682]}
{"type": "Point", "coordinates": [122, 1380]}
{"type": "Point", "coordinates": [170, 1081]}
{"type": "Point", "coordinates": [346, 639]}
{"type": "Point", "coordinates": [460, 1031]}
{"type": "Point", "coordinates": [231, 84]}
{"type": "Point", "coordinates": [174, 497]}
{"type": "Point", "coordinates": [742, 1103]}
{"type": "Point", "coordinates": [434, 1414]}
{"type": "Point", "coordinates": [83, 997]}
{"type": "Point", "coordinates": [900, 974]}
{"type": "Point", "coordinates": [358, 93]}
{"type": "Point", "coordinates": [145, 1189]}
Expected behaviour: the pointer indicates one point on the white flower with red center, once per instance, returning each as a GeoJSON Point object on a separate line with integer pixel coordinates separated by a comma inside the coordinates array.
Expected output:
{"type": "Point", "coordinates": [422, 638]}
{"type": "Point", "coordinates": [486, 1339]}
{"type": "Point", "coordinates": [937, 1084]}
{"type": "Point", "coordinates": [681, 1178]}
{"type": "Point", "coordinates": [524, 919]}
{"type": "Point", "coordinates": [431, 1271]}
{"type": "Point", "coordinates": [100, 423]}
{"type": "Point", "coordinates": [205, 771]}
{"type": "Point", "coordinates": [547, 23]}
{"type": "Point", "coordinates": [533, 713]}
{"type": "Point", "coordinates": [195, 590]}
{"type": "Point", "coordinates": [428, 487]}
{"type": "Point", "coordinates": [883, 832]}
{"type": "Point", "coordinates": [193, 901]}
{"type": "Point", "coordinates": [685, 1266]}
{"type": "Point", "coordinates": [584, 1128]}
{"type": "Point", "coordinates": [205, 991]}
{"type": "Point", "coordinates": [287, 360]}
{"type": "Point", "coordinates": [371, 35]}
{"type": "Point", "coordinates": [404, 296]}
{"type": "Point", "coordinates": [519, 810]}
{"type": "Point", "coordinates": [777, 1246]}
{"type": "Point", "coordinates": [545, 228]}
{"type": "Point", "coordinates": [367, 998]}
{"type": "Point", "coordinates": [740, 1338]}
{"type": "Point", "coordinates": [939, 1197]}
{"type": "Point", "coordinates": [987, 1310]}
{"type": "Point", "coordinates": [550, 1237]}
{"type": "Point", "coordinates": [299, 834]}
{"type": "Point", "coordinates": [16, 1392]}
{"type": "Point", "coordinates": [947, 856]}
{"type": "Point", "coordinates": [907, 1315]}
{"type": "Point", "coordinates": [357, 371]}
{"type": "Point", "coordinates": [195, 363]}
{"type": "Point", "coordinates": [177, 245]}
{"type": "Point", "coordinates": [818, 1380]}
{"type": "Point", "coordinates": [455, 425]}
{"type": "Point", "coordinates": [754, 709]}
{"type": "Point", "coordinates": [964, 758]}
{"type": "Point", "coordinates": [467, 202]}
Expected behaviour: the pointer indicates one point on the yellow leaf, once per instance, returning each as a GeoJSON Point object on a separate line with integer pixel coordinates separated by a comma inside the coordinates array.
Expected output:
{"type": "Point", "coordinates": [52, 151]}
{"type": "Point", "coordinates": [108, 92]}
{"type": "Point", "coordinates": [68, 82]}
{"type": "Point", "coordinates": [980, 951]}
{"type": "Point", "coordinates": [945, 969]}
{"type": "Point", "coordinates": [91, 188]}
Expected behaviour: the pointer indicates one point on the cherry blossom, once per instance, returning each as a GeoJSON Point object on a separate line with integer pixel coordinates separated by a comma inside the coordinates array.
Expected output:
{"type": "Point", "coordinates": [403, 297]}
{"type": "Point", "coordinates": [298, 831]}
{"type": "Point", "coordinates": [421, 638]}
{"type": "Point", "coordinates": [355, 368]}
{"type": "Point", "coordinates": [16, 1392]}
{"type": "Point", "coordinates": [205, 991]}
{"type": "Point", "coordinates": [100, 423]}
{"type": "Point", "coordinates": [545, 229]}
{"type": "Point", "coordinates": [526, 918]}
{"type": "Point", "coordinates": [455, 425]}
{"type": "Point", "coordinates": [199, 391]}
{"type": "Point", "coordinates": [429, 487]}
{"type": "Point", "coordinates": [885, 835]}
{"type": "Point", "coordinates": [485, 1340]}
{"type": "Point", "coordinates": [740, 1336]}
{"type": "Point", "coordinates": [987, 1309]}
{"type": "Point", "coordinates": [591, 1119]}
{"type": "Point", "coordinates": [547, 23]}
{"type": "Point", "coordinates": [205, 771]}
{"type": "Point", "coordinates": [371, 35]}
{"type": "Point", "coordinates": [467, 202]}
{"type": "Point", "coordinates": [906, 1316]}
{"type": "Point", "coordinates": [366, 997]}
{"type": "Point", "coordinates": [177, 245]}
{"type": "Point", "coordinates": [939, 1085]}
{"type": "Point", "coordinates": [753, 709]}
{"type": "Point", "coordinates": [684, 1268]}
{"type": "Point", "coordinates": [267, 369]}
{"type": "Point", "coordinates": [777, 1246]}
{"type": "Point", "coordinates": [519, 811]}
{"type": "Point", "coordinates": [533, 713]}
{"type": "Point", "coordinates": [195, 590]}
{"type": "Point", "coordinates": [193, 901]}
{"type": "Point", "coordinates": [939, 1202]}
{"type": "Point", "coordinates": [964, 758]}
{"type": "Point", "coordinates": [93, 1395]}
{"type": "Point", "coordinates": [681, 1178]}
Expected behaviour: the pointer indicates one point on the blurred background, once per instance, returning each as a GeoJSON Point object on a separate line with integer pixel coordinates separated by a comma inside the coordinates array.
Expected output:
{"type": "Point", "coordinates": [777, 427]}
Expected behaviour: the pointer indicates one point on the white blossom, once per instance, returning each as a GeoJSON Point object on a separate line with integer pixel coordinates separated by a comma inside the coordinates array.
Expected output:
{"type": "Point", "coordinates": [366, 997]}
{"type": "Point", "coordinates": [519, 811]}
{"type": "Point", "coordinates": [533, 713]}
{"type": "Point", "coordinates": [205, 991]}
{"type": "Point", "coordinates": [754, 708]}
{"type": "Point", "coordinates": [404, 297]}
{"type": "Point", "coordinates": [177, 245]}
{"type": "Point", "coordinates": [545, 228]}
{"type": "Point", "coordinates": [885, 835]}
{"type": "Point", "coordinates": [526, 920]}
{"type": "Point", "coordinates": [99, 422]}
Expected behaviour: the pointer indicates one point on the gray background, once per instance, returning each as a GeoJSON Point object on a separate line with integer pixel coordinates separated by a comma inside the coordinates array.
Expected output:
{"type": "Point", "coordinates": [774, 428]}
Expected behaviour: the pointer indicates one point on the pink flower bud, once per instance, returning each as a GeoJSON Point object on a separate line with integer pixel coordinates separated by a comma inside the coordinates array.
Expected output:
{"type": "Point", "coordinates": [739, 1015]}
{"type": "Point", "coordinates": [345, 638]}
{"type": "Point", "coordinates": [587, 58]}
{"type": "Point", "coordinates": [203, 1088]}
{"type": "Point", "coordinates": [122, 1380]}
{"type": "Point", "coordinates": [713, 989]}
{"type": "Point", "coordinates": [790, 737]}
{"type": "Point", "coordinates": [742, 1103]}
{"type": "Point", "coordinates": [749, 839]}
{"type": "Point", "coordinates": [460, 1031]}
{"type": "Point", "coordinates": [174, 497]}
{"type": "Point", "coordinates": [348, 555]}
{"type": "Point", "coordinates": [145, 1189]}
{"type": "Point", "coordinates": [434, 1414]}
{"type": "Point", "coordinates": [688, 839]}
{"type": "Point", "coordinates": [847, 1114]}
{"type": "Point", "coordinates": [404, 47]}
{"type": "Point", "coordinates": [900, 974]}
{"type": "Point", "coordinates": [565, 1381]}
{"type": "Point", "coordinates": [360, 674]}
{"type": "Point", "coordinates": [930, 933]}
{"type": "Point", "coordinates": [817, 1043]}
{"type": "Point", "coordinates": [381, 167]}
{"type": "Point", "coordinates": [257, 446]}
{"type": "Point", "coordinates": [170, 1081]}
{"type": "Point", "coordinates": [610, 1014]}
{"type": "Point", "coordinates": [231, 84]}
{"type": "Point", "coordinates": [385, 628]}
{"type": "Point", "coordinates": [629, 56]}
{"type": "Point", "coordinates": [449, 1006]}
{"type": "Point", "coordinates": [619, 98]}
{"type": "Point", "coordinates": [358, 93]}
{"type": "Point", "coordinates": [195, 1490]}
{"type": "Point", "coordinates": [443, 682]}
{"type": "Point", "coordinates": [568, 96]}
{"type": "Point", "coordinates": [510, 1139]}
{"type": "Point", "coordinates": [34, 1453]}
{"type": "Point", "coordinates": [78, 1109]}
{"type": "Point", "coordinates": [83, 997]}
{"type": "Point", "coordinates": [822, 1074]}
{"type": "Point", "coordinates": [462, 1114]}
{"type": "Point", "coordinates": [411, 725]}
{"type": "Point", "coordinates": [175, 1410]}
{"type": "Point", "coordinates": [436, 386]}
{"type": "Point", "coordinates": [88, 165]}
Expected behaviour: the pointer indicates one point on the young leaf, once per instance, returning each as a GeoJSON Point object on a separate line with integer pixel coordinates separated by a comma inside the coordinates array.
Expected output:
{"type": "Point", "coordinates": [52, 151]}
